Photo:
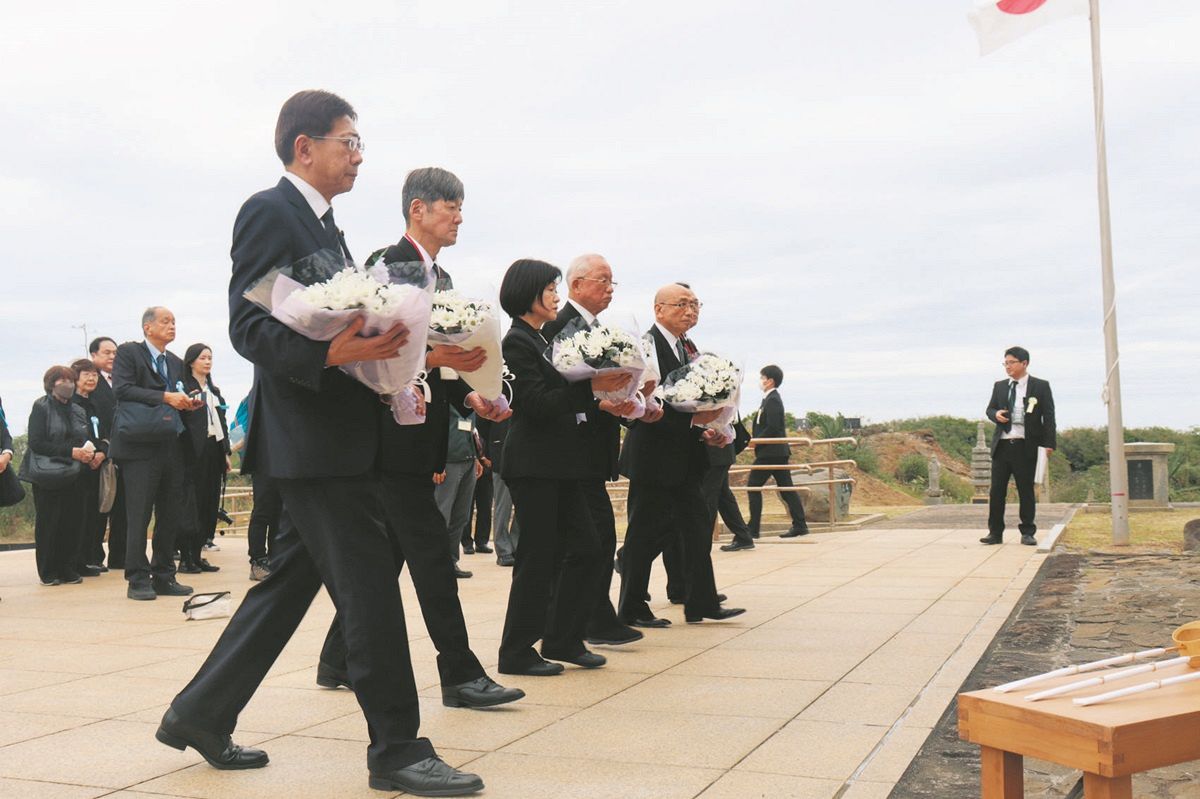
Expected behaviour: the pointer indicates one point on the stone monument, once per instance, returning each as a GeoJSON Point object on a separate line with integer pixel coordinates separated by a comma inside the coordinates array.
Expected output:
{"type": "Point", "coordinates": [981, 469]}
{"type": "Point", "coordinates": [1191, 536]}
{"type": "Point", "coordinates": [1147, 465]}
{"type": "Point", "coordinates": [933, 494]}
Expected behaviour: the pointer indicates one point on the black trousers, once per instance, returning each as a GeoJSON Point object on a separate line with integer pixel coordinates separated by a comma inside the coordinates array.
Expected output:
{"type": "Point", "coordinates": [602, 618]}
{"type": "Point", "coordinates": [417, 532]}
{"type": "Point", "coordinates": [480, 517]}
{"type": "Point", "coordinates": [721, 501]}
{"type": "Point", "coordinates": [1016, 459]}
{"type": "Point", "coordinates": [783, 479]}
{"type": "Point", "coordinates": [657, 514]}
{"type": "Point", "coordinates": [330, 533]}
{"type": "Point", "coordinates": [154, 484]}
{"type": "Point", "coordinates": [207, 490]}
{"type": "Point", "coordinates": [89, 510]}
{"type": "Point", "coordinates": [557, 558]}
{"type": "Point", "coordinates": [117, 520]}
{"type": "Point", "coordinates": [57, 530]}
{"type": "Point", "coordinates": [264, 517]}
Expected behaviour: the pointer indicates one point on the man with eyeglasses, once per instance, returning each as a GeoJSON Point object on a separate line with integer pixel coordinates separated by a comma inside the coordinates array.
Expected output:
{"type": "Point", "coordinates": [589, 292]}
{"type": "Point", "coordinates": [665, 463]}
{"type": "Point", "coordinates": [315, 431]}
{"type": "Point", "coordinates": [1022, 407]}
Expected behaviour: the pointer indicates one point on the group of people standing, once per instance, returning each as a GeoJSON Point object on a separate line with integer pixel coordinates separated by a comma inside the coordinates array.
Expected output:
{"type": "Point", "coordinates": [90, 476]}
{"type": "Point", "coordinates": [358, 489]}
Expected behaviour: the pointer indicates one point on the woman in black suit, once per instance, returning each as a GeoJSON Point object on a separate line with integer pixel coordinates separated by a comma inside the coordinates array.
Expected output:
{"type": "Point", "coordinates": [206, 456]}
{"type": "Point", "coordinates": [87, 377]}
{"type": "Point", "coordinates": [59, 429]}
{"type": "Point", "coordinates": [543, 464]}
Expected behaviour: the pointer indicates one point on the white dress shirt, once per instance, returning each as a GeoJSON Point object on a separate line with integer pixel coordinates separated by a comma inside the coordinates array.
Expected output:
{"type": "Point", "coordinates": [1018, 430]}
{"type": "Point", "coordinates": [316, 202]}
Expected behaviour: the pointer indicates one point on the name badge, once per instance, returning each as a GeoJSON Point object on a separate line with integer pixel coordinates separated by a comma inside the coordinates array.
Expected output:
{"type": "Point", "coordinates": [464, 425]}
{"type": "Point", "coordinates": [1018, 414]}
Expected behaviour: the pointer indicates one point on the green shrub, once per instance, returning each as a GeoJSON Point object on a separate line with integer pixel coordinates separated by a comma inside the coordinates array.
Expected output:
{"type": "Point", "coordinates": [955, 488]}
{"type": "Point", "coordinates": [913, 469]}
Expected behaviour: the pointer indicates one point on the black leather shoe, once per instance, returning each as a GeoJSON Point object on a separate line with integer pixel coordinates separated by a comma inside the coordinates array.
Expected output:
{"type": "Point", "coordinates": [483, 549]}
{"type": "Point", "coordinates": [537, 669]}
{"type": "Point", "coordinates": [737, 545]}
{"type": "Point", "coordinates": [794, 532]}
{"type": "Point", "coordinates": [720, 615]}
{"type": "Point", "coordinates": [585, 659]}
{"type": "Point", "coordinates": [461, 574]}
{"type": "Point", "coordinates": [429, 777]}
{"type": "Point", "coordinates": [616, 636]}
{"type": "Point", "coordinates": [70, 578]}
{"type": "Point", "coordinates": [205, 566]}
{"type": "Point", "coordinates": [89, 571]}
{"type": "Point", "coordinates": [329, 677]}
{"type": "Point", "coordinates": [100, 567]}
{"type": "Point", "coordinates": [990, 539]}
{"type": "Point", "coordinates": [481, 692]}
{"type": "Point", "coordinates": [219, 750]}
{"type": "Point", "coordinates": [170, 588]}
{"type": "Point", "coordinates": [141, 591]}
{"type": "Point", "coordinates": [188, 568]}
{"type": "Point", "coordinates": [1029, 541]}
{"type": "Point", "coordinates": [469, 549]}
{"type": "Point", "coordinates": [651, 622]}
{"type": "Point", "coordinates": [507, 562]}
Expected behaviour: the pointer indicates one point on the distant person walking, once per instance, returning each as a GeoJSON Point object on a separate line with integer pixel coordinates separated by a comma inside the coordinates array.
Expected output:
{"type": "Point", "coordinates": [1023, 409]}
{"type": "Point", "coordinates": [769, 422]}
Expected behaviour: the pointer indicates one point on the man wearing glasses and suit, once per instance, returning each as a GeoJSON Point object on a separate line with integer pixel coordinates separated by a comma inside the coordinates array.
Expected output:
{"type": "Point", "coordinates": [316, 432]}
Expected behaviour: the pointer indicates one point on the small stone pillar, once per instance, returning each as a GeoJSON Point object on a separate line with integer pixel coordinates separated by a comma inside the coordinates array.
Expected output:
{"type": "Point", "coordinates": [981, 469]}
{"type": "Point", "coordinates": [1148, 480]}
{"type": "Point", "coordinates": [933, 494]}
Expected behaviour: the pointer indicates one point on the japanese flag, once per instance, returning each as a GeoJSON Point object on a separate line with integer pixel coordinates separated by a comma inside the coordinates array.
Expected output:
{"type": "Point", "coordinates": [998, 22]}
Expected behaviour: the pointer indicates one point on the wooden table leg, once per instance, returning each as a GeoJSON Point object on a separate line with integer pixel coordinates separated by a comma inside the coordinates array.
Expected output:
{"type": "Point", "coordinates": [1003, 774]}
{"type": "Point", "coordinates": [1097, 787]}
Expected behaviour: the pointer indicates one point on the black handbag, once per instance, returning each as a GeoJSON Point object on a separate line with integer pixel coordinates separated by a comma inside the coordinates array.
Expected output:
{"type": "Point", "coordinates": [49, 471]}
{"type": "Point", "coordinates": [145, 424]}
{"type": "Point", "coordinates": [741, 437]}
{"type": "Point", "coordinates": [11, 490]}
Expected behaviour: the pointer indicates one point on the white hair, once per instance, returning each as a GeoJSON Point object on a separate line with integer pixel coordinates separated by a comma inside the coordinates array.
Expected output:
{"type": "Point", "coordinates": [581, 266]}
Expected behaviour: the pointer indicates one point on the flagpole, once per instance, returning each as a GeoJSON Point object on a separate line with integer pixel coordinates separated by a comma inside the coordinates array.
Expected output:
{"type": "Point", "coordinates": [1118, 477]}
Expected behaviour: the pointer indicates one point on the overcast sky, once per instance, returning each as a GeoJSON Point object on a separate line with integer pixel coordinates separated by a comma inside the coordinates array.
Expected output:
{"type": "Point", "coordinates": [852, 191]}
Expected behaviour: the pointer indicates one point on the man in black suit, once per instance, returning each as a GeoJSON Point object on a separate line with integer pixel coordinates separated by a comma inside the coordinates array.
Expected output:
{"type": "Point", "coordinates": [720, 497]}
{"type": "Point", "coordinates": [103, 351]}
{"type": "Point", "coordinates": [145, 373]}
{"type": "Point", "coordinates": [589, 292]}
{"type": "Point", "coordinates": [317, 431]}
{"type": "Point", "coordinates": [769, 422]}
{"type": "Point", "coordinates": [665, 463]}
{"type": "Point", "coordinates": [1022, 407]}
{"type": "Point", "coordinates": [410, 456]}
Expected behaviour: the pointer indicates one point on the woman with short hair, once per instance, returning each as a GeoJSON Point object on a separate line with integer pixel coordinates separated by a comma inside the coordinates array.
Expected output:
{"type": "Point", "coordinates": [58, 429]}
{"type": "Point", "coordinates": [89, 561]}
{"type": "Point", "coordinates": [542, 465]}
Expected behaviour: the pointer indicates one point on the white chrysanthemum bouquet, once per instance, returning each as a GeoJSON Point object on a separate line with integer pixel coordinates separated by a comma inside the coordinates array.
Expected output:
{"type": "Point", "coordinates": [708, 383]}
{"type": "Point", "coordinates": [468, 323]}
{"type": "Point", "coordinates": [319, 296]}
{"type": "Point", "coordinates": [580, 352]}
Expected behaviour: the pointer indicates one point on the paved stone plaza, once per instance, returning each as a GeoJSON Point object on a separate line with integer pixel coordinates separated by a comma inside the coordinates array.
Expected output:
{"type": "Point", "coordinates": [853, 645]}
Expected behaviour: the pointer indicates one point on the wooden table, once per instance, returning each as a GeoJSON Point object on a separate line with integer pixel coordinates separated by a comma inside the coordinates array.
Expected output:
{"type": "Point", "coordinates": [1108, 742]}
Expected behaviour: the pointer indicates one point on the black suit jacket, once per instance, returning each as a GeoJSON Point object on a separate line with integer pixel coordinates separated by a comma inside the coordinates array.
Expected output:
{"type": "Point", "coordinates": [1040, 426]}
{"type": "Point", "coordinates": [544, 439]}
{"type": "Point", "coordinates": [195, 422]}
{"type": "Point", "coordinates": [770, 422]}
{"type": "Point", "coordinates": [420, 448]}
{"type": "Point", "coordinates": [306, 420]}
{"type": "Point", "coordinates": [136, 380]}
{"type": "Point", "coordinates": [669, 451]}
{"type": "Point", "coordinates": [105, 402]}
{"type": "Point", "coordinates": [601, 433]}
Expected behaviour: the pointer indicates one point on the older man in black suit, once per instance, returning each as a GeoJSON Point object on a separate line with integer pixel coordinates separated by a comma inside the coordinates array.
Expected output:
{"type": "Point", "coordinates": [665, 463]}
{"type": "Point", "coordinates": [103, 351]}
{"type": "Point", "coordinates": [147, 375]}
{"type": "Point", "coordinates": [590, 291]}
{"type": "Point", "coordinates": [1022, 406]}
{"type": "Point", "coordinates": [315, 430]}
{"type": "Point", "coordinates": [412, 454]}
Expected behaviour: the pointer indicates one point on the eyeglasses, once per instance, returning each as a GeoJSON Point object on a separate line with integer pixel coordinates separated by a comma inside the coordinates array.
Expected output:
{"type": "Point", "coordinates": [353, 143]}
{"type": "Point", "coordinates": [1011, 363]}
{"type": "Point", "coordinates": [695, 305]}
{"type": "Point", "coordinates": [603, 281]}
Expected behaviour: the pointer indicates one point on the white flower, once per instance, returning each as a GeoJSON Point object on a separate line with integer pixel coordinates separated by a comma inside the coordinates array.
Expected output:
{"type": "Point", "coordinates": [454, 313]}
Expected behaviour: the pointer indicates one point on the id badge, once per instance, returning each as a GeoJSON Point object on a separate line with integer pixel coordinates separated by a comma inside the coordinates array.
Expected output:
{"type": "Point", "coordinates": [464, 425]}
{"type": "Point", "coordinates": [1018, 414]}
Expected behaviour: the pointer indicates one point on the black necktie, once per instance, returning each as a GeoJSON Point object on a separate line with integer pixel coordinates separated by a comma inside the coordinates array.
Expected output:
{"type": "Point", "coordinates": [681, 351]}
{"type": "Point", "coordinates": [1012, 403]}
{"type": "Point", "coordinates": [335, 237]}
